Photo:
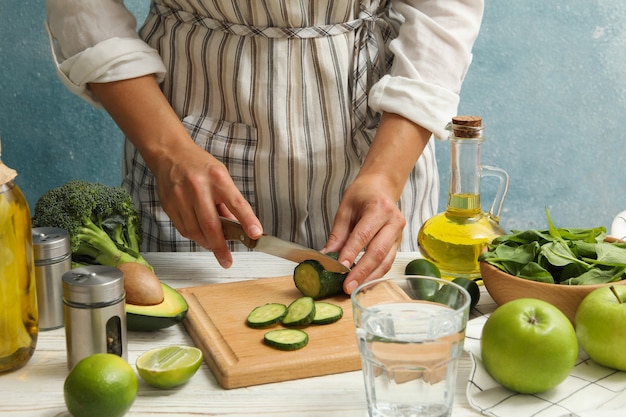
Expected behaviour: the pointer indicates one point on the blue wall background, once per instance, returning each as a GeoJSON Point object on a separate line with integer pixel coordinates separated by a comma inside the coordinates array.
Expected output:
{"type": "Point", "coordinates": [548, 78]}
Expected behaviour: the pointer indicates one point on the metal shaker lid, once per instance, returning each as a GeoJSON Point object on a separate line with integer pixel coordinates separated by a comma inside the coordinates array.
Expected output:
{"type": "Point", "coordinates": [50, 243]}
{"type": "Point", "coordinates": [94, 284]}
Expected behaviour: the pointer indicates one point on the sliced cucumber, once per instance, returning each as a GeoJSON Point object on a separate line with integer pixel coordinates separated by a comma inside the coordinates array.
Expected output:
{"type": "Point", "coordinates": [326, 313]}
{"type": "Point", "coordinates": [286, 339]}
{"type": "Point", "coordinates": [266, 315]}
{"type": "Point", "coordinates": [314, 281]}
{"type": "Point", "coordinates": [300, 312]}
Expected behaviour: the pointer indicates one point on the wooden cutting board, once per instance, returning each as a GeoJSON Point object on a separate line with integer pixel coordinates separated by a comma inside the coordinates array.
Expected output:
{"type": "Point", "coordinates": [236, 354]}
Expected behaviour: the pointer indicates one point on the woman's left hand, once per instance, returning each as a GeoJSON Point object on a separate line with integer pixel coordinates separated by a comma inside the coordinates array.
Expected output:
{"type": "Point", "coordinates": [368, 218]}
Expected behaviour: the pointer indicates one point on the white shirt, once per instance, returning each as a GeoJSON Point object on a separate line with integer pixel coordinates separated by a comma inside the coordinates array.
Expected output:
{"type": "Point", "coordinates": [96, 41]}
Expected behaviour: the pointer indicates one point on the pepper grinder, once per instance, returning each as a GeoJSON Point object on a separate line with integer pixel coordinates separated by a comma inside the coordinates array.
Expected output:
{"type": "Point", "coordinates": [95, 318]}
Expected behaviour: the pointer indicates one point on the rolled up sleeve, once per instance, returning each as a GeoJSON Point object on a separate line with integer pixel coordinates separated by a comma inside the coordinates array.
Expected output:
{"type": "Point", "coordinates": [95, 41]}
{"type": "Point", "coordinates": [432, 54]}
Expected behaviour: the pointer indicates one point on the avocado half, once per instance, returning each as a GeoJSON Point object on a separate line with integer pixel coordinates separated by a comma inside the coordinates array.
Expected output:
{"type": "Point", "coordinates": [170, 311]}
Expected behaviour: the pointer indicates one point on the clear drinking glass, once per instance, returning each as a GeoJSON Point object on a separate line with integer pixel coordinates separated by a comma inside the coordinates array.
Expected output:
{"type": "Point", "coordinates": [410, 332]}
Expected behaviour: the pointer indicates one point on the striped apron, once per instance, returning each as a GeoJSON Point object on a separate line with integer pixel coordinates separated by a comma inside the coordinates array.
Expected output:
{"type": "Point", "coordinates": [277, 91]}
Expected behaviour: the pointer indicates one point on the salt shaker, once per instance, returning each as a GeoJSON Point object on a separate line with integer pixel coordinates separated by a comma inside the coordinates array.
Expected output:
{"type": "Point", "coordinates": [51, 250]}
{"type": "Point", "coordinates": [95, 318]}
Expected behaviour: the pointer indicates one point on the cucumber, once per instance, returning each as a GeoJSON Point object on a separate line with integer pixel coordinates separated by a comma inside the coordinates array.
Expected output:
{"type": "Point", "coordinates": [286, 339]}
{"type": "Point", "coordinates": [314, 281]}
{"type": "Point", "coordinates": [300, 312]}
{"type": "Point", "coordinates": [266, 315]}
{"type": "Point", "coordinates": [326, 313]}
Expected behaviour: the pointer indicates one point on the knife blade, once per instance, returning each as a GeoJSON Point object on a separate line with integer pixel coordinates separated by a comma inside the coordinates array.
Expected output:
{"type": "Point", "coordinates": [279, 247]}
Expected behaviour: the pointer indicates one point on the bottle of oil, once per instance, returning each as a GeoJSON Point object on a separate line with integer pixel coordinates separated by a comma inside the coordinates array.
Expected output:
{"type": "Point", "coordinates": [18, 300]}
{"type": "Point", "coordinates": [453, 240]}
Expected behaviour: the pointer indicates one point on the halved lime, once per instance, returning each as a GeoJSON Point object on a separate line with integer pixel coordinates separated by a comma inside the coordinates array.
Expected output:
{"type": "Point", "coordinates": [169, 366]}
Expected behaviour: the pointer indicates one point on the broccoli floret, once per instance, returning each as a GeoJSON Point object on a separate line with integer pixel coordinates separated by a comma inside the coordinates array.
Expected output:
{"type": "Point", "coordinates": [102, 221]}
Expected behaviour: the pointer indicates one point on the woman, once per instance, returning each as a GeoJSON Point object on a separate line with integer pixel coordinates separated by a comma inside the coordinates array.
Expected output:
{"type": "Point", "coordinates": [285, 114]}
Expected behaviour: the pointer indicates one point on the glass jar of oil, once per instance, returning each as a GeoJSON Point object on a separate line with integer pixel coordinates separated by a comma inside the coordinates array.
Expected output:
{"type": "Point", "coordinates": [18, 302]}
{"type": "Point", "coordinates": [454, 239]}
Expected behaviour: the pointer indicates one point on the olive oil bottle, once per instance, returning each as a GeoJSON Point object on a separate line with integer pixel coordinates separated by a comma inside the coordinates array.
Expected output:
{"type": "Point", "coordinates": [453, 239]}
{"type": "Point", "coordinates": [18, 302]}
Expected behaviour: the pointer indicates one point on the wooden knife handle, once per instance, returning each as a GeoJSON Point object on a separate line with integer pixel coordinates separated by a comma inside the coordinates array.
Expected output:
{"type": "Point", "coordinates": [233, 231]}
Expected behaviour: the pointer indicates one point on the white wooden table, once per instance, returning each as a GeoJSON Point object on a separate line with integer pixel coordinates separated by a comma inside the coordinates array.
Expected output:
{"type": "Point", "coordinates": [37, 389]}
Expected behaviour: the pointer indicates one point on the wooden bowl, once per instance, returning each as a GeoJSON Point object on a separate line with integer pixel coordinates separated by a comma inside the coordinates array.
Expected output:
{"type": "Point", "coordinates": [503, 287]}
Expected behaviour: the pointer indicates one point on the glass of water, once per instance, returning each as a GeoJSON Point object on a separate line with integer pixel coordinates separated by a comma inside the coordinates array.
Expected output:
{"type": "Point", "coordinates": [410, 332]}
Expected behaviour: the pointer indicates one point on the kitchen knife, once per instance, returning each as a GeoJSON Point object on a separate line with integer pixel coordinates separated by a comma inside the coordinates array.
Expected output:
{"type": "Point", "coordinates": [281, 248]}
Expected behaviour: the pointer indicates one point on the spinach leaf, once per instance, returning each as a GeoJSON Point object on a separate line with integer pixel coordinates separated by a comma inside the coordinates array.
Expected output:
{"type": "Point", "coordinates": [596, 276]}
{"type": "Point", "coordinates": [558, 253]}
{"type": "Point", "coordinates": [571, 271]}
{"type": "Point", "coordinates": [534, 272]}
{"type": "Point", "coordinates": [523, 237]}
{"type": "Point", "coordinates": [609, 254]}
{"type": "Point", "coordinates": [584, 249]}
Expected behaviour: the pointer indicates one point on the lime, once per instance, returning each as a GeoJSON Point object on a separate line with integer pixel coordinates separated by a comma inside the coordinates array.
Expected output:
{"type": "Point", "coordinates": [448, 295]}
{"type": "Point", "coordinates": [169, 366]}
{"type": "Point", "coordinates": [471, 287]}
{"type": "Point", "coordinates": [423, 289]}
{"type": "Point", "coordinates": [422, 266]}
{"type": "Point", "coordinates": [100, 385]}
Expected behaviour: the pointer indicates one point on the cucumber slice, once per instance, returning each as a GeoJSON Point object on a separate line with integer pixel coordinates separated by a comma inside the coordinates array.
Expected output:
{"type": "Point", "coordinates": [300, 312]}
{"type": "Point", "coordinates": [286, 339]}
{"type": "Point", "coordinates": [326, 313]}
{"type": "Point", "coordinates": [266, 315]}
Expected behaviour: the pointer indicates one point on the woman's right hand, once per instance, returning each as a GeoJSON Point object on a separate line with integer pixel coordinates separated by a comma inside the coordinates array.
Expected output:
{"type": "Point", "coordinates": [194, 187]}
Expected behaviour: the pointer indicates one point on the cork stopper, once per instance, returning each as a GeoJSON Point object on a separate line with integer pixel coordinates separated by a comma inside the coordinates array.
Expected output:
{"type": "Point", "coordinates": [6, 174]}
{"type": "Point", "coordinates": [467, 126]}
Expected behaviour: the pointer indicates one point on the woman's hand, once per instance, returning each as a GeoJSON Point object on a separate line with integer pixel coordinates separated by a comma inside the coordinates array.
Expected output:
{"type": "Point", "coordinates": [194, 187]}
{"type": "Point", "coordinates": [368, 218]}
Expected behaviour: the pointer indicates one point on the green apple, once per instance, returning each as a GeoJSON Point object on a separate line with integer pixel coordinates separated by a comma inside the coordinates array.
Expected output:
{"type": "Point", "coordinates": [528, 346]}
{"type": "Point", "coordinates": [600, 321]}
